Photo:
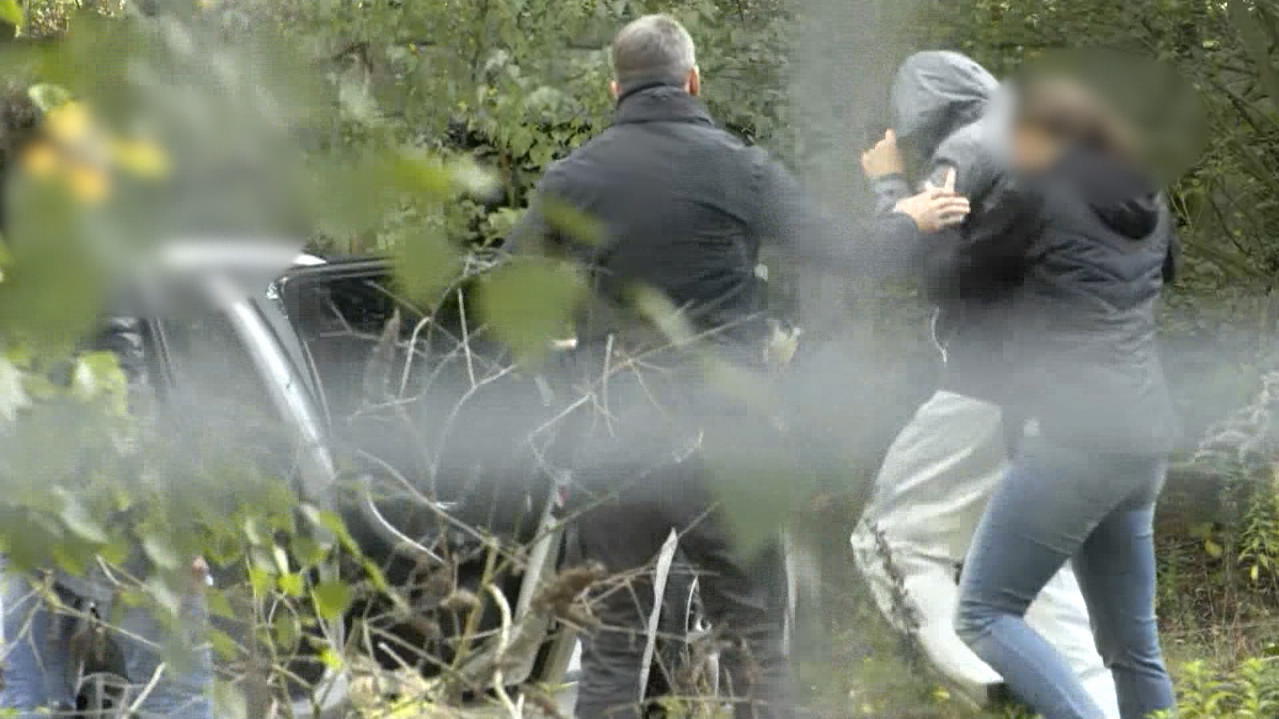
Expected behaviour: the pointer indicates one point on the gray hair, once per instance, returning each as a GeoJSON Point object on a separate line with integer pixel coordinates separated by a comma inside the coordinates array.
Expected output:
{"type": "Point", "coordinates": [654, 47]}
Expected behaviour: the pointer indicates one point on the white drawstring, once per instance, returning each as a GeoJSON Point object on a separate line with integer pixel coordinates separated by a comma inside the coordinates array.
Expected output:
{"type": "Point", "coordinates": [932, 328]}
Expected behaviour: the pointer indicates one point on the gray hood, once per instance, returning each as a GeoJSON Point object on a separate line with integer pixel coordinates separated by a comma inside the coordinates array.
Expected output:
{"type": "Point", "coordinates": [936, 93]}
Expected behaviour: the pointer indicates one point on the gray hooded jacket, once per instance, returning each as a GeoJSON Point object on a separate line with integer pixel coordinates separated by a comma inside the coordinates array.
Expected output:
{"type": "Point", "coordinates": [946, 118]}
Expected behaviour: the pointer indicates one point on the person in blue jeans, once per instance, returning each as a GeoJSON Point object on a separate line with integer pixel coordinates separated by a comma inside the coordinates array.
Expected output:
{"type": "Point", "coordinates": [167, 665]}
{"type": "Point", "coordinates": [1084, 482]}
{"type": "Point", "coordinates": [39, 657]}
{"type": "Point", "coordinates": [42, 656]}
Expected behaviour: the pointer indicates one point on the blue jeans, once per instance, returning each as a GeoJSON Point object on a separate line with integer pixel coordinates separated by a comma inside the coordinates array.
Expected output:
{"type": "Point", "coordinates": [40, 663]}
{"type": "Point", "coordinates": [1058, 505]}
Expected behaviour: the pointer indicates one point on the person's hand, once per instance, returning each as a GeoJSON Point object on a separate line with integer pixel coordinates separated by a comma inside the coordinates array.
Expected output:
{"type": "Point", "coordinates": [200, 573]}
{"type": "Point", "coordinates": [936, 208]}
{"type": "Point", "coordinates": [884, 158]}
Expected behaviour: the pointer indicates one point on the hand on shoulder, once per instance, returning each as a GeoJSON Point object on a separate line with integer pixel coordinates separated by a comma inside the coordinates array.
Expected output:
{"type": "Point", "coordinates": [937, 207]}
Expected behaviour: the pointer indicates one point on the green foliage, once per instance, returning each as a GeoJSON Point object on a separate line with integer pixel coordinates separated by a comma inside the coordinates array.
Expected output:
{"type": "Point", "coordinates": [530, 303]}
{"type": "Point", "coordinates": [513, 85]}
{"type": "Point", "coordinates": [363, 126]}
{"type": "Point", "coordinates": [11, 12]}
{"type": "Point", "coordinates": [1251, 692]}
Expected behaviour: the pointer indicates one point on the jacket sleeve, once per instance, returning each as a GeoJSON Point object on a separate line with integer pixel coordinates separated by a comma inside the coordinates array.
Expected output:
{"type": "Point", "coordinates": [787, 215]}
{"type": "Point", "coordinates": [888, 191]}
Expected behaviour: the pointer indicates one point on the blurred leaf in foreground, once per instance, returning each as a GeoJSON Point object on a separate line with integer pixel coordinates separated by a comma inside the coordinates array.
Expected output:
{"type": "Point", "coordinates": [331, 598]}
{"type": "Point", "coordinates": [531, 302]}
{"type": "Point", "coordinates": [425, 262]}
{"type": "Point", "coordinates": [47, 96]}
{"type": "Point", "coordinates": [11, 12]}
{"type": "Point", "coordinates": [13, 397]}
{"type": "Point", "coordinates": [578, 226]}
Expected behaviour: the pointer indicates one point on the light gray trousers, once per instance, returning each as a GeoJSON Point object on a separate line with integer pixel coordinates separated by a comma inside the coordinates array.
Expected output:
{"type": "Point", "coordinates": [912, 539]}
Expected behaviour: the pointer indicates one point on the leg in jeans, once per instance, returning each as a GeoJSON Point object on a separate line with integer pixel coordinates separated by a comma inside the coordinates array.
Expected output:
{"type": "Point", "coordinates": [1117, 569]}
{"type": "Point", "coordinates": [929, 497]}
{"type": "Point", "coordinates": [182, 690]}
{"type": "Point", "coordinates": [1042, 515]}
{"type": "Point", "coordinates": [37, 658]}
{"type": "Point", "coordinates": [1061, 615]}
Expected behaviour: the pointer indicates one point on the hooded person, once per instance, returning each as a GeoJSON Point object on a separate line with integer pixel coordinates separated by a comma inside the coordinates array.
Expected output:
{"type": "Point", "coordinates": [942, 468]}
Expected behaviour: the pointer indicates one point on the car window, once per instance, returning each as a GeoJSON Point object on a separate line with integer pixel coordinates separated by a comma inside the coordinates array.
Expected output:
{"type": "Point", "coordinates": [409, 403]}
{"type": "Point", "coordinates": [342, 322]}
{"type": "Point", "coordinates": [218, 389]}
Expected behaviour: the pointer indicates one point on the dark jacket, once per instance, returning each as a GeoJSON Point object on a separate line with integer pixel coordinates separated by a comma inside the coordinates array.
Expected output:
{"type": "Point", "coordinates": [946, 117]}
{"type": "Point", "coordinates": [683, 207]}
{"type": "Point", "coordinates": [1086, 332]}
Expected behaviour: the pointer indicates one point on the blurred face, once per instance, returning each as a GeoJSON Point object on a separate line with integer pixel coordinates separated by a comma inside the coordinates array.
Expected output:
{"type": "Point", "coordinates": [1033, 150]}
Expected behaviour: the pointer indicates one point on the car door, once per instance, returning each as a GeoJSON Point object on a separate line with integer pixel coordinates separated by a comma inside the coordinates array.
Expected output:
{"type": "Point", "coordinates": [430, 419]}
{"type": "Point", "coordinates": [231, 398]}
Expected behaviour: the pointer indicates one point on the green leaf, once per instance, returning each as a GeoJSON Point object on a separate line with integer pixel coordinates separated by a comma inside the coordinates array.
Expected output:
{"type": "Point", "coordinates": [331, 658]}
{"type": "Point", "coordinates": [164, 596]}
{"type": "Point", "coordinates": [418, 172]}
{"type": "Point", "coordinates": [219, 605]}
{"type": "Point", "coordinates": [223, 645]}
{"type": "Point", "coordinates": [98, 374]}
{"type": "Point", "coordinates": [756, 486]}
{"type": "Point", "coordinates": [261, 580]}
{"type": "Point", "coordinates": [47, 96]}
{"type": "Point", "coordinates": [573, 223]}
{"type": "Point", "coordinates": [531, 302]}
{"type": "Point", "coordinates": [331, 598]}
{"type": "Point", "coordinates": [1213, 549]}
{"type": "Point", "coordinates": [11, 12]}
{"type": "Point", "coordinates": [425, 261]}
{"type": "Point", "coordinates": [13, 396]}
{"type": "Point", "coordinates": [292, 584]}
{"type": "Point", "coordinates": [160, 551]}
{"type": "Point", "coordinates": [307, 551]}
{"type": "Point", "coordinates": [330, 522]}
{"type": "Point", "coordinates": [79, 519]}
{"type": "Point", "coordinates": [287, 631]}
{"type": "Point", "coordinates": [229, 701]}
{"type": "Point", "coordinates": [468, 176]}
{"type": "Point", "coordinates": [72, 557]}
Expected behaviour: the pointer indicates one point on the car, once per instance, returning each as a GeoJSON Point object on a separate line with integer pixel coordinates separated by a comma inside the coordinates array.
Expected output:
{"type": "Point", "coordinates": [423, 440]}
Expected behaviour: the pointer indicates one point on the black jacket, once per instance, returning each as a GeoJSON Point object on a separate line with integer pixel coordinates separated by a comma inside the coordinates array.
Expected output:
{"type": "Point", "coordinates": [1086, 348]}
{"type": "Point", "coordinates": [946, 118]}
{"type": "Point", "coordinates": [683, 207]}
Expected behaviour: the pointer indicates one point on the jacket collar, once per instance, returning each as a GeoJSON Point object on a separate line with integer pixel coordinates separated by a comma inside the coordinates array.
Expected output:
{"type": "Point", "coordinates": [659, 102]}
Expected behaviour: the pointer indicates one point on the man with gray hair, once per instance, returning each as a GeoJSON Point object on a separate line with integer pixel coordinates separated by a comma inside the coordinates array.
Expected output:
{"type": "Point", "coordinates": [655, 48]}
{"type": "Point", "coordinates": [682, 208]}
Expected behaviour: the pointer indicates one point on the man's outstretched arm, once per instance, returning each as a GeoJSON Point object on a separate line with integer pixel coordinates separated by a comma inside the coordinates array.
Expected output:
{"type": "Point", "coordinates": [882, 244]}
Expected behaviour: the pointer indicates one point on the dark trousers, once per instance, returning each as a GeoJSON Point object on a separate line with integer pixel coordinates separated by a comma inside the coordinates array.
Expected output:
{"type": "Point", "coordinates": [627, 520]}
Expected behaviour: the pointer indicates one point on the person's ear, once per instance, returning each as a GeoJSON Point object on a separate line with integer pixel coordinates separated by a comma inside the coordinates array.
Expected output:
{"type": "Point", "coordinates": [693, 85]}
{"type": "Point", "coordinates": [614, 89]}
